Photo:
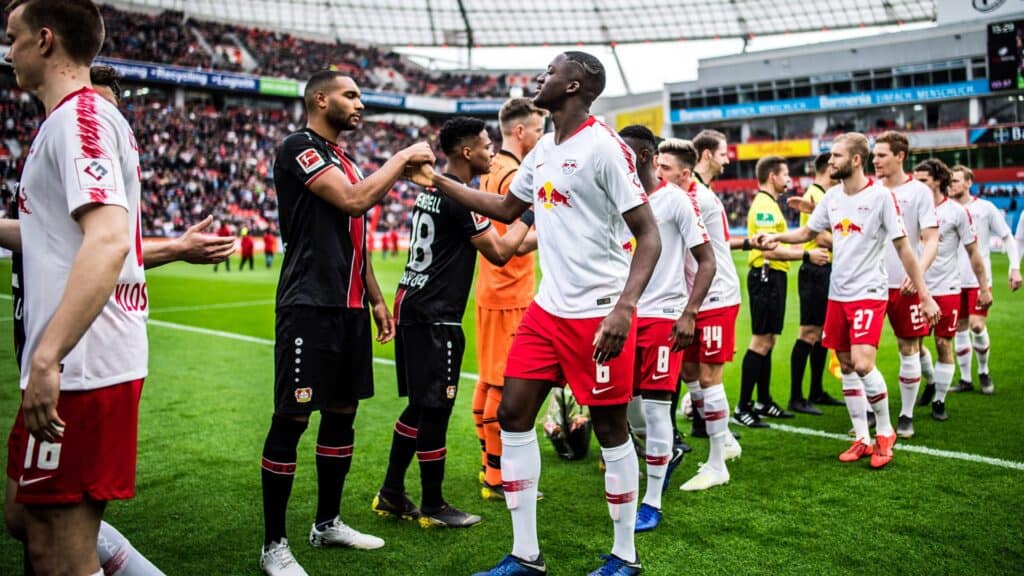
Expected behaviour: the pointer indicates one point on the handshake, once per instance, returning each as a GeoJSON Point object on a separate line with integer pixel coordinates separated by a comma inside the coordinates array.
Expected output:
{"type": "Point", "coordinates": [419, 164]}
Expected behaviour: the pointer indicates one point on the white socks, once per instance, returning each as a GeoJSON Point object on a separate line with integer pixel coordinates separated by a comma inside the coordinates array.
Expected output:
{"type": "Point", "coordinates": [716, 415]}
{"type": "Point", "coordinates": [962, 347]}
{"type": "Point", "coordinates": [981, 347]}
{"type": "Point", "coordinates": [943, 378]}
{"type": "Point", "coordinates": [621, 483]}
{"type": "Point", "coordinates": [857, 406]}
{"type": "Point", "coordinates": [927, 368]}
{"type": "Point", "coordinates": [520, 472]}
{"type": "Point", "coordinates": [878, 397]}
{"type": "Point", "coordinates": [119, 558]}
{"type": "Point", "coordinates": [910, 383]}
{"type": "Point", "coordinates": [696, 397]}
{"type": "Point", "coordinates": [658, 414]}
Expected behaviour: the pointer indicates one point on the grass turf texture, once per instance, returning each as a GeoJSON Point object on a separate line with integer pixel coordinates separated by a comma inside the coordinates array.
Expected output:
{"type": "Point", "coordinates": [791, 507]}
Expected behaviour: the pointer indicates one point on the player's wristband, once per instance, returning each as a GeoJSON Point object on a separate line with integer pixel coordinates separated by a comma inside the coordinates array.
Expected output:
{"type": "Point", "coordinates": [807, 257]}
{"type": "Point", "coordinates": [528, 217]}
{"type": "Point", "coordinates": [746, 244]}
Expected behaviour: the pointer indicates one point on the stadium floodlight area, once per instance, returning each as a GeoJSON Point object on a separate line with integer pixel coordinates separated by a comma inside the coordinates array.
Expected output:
{"type": "Point", "coordinates": [481, 23]}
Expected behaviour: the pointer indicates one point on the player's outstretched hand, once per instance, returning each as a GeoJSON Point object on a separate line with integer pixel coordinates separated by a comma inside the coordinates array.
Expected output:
{"type": "Point", "coordinates": [907, 288]}
{"type": "Point", "coordinates": [422, 175]}
{"type": "Point", "coordinates": [195, 247]}
{"type": "Point", "coordinates": [1015, 280]}
{"type": "Point", "coordinates": [611, 335]}
{"type": "Point", "coordinates": [419, 153]}
{"type": "Point", "coordinates": [40, 403]}
{"type": "Point", "coordinates": [818, 256]}
{"type": "Point", "coordinates": [801, 204]}
{"type": "Point", "coordinates": [762, 241]}
{"type": "Point", "coordinates": [683, 331]}
{"type": "Point", "coordinates": [984, 298]}
{"type": "Point", "coordinates": [385, 323]}
{"type": "Point", "coordinates": [931, 311]}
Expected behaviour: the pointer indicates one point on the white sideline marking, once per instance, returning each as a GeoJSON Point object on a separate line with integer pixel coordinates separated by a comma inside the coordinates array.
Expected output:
{"type": "Point", "coordinates": [908, 448]}
{"type": "Point", "coordinates": [211, 306]}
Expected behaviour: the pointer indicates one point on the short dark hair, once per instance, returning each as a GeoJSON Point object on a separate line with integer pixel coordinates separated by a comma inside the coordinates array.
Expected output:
{"type": "Point", "coordinates": [897, 141]}
{"type": "Point", "coordinates": [821, 162]}
{"type": "Point", "coordinates": [318, 82]}
{"type": "Point", "coordinates": [517, 110]}
{"type": "Point", "coordinates": [767, 166]}
{"type": "Point", "coordinates": [682, 150]}
{"type": "Point", "coordinates": [643, 135]}
{"type": "Point", "coordinates": [457, 130]}
{"type": "Point", "coordinates": [78, 23]}
{"type": "Point", "coordinates": [594, 78]}
{"type": "Point", "coordinates": [707, 140]}
{"type": "Point", "coordinates": [938, 170]}
{"type": "Point", "coordinates": [103, 75]}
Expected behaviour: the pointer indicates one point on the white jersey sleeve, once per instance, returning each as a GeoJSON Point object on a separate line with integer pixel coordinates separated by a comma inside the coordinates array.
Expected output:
{"type": "Point", "coordinates": [522, 183]}
{"type": "Point", "coordinates": [615, 168]}
{"type": "Point", "coordinates": [956, 230]}
{"type": "Point", "coordinates": [88, 161]}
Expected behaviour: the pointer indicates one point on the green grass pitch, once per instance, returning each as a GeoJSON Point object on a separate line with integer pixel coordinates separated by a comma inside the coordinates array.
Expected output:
{"type": "Point", "coordinates": [791, 507]}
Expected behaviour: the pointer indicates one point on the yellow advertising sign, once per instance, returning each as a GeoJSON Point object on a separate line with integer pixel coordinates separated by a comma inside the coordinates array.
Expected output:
{"type": "Point", "coordinates": [784, 148]}
{"type": "Point", "coordinates": [653, 118]}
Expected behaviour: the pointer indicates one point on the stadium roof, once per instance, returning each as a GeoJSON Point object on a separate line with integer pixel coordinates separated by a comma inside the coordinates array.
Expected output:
{"type": "Point", "coordinates": [542, 22]}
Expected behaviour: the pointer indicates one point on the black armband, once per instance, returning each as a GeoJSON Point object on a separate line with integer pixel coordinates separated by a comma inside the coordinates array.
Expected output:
{"type": "Point", "coordinates": [807, 257]}
{"type": "Point", "coordinates": [528, 217]}
{"type": "Point", "coordinates": [746, 244]}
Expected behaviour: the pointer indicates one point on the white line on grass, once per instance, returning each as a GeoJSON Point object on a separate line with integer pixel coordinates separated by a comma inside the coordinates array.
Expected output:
{"type": "Point", "coordinates": [780, 427]}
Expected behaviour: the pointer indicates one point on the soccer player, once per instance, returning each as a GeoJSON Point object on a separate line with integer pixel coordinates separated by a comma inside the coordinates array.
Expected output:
{"type": "Point", "coordinates": [667, 316]}
{"type": "Point", "coordinates": [73, 445]}
{"type": "Point", "coordinates": [429, 342]}
{"type": "Point", "coordinates": [326, 295]}
{"type": "Point", "coordinates": [269, 247]}
{"type": "Point", "coordinates": [712, 156]}
{"type": "Point", "coordinates": [917, 208]}
{"type": "Point", "coordinates": [863, 216]}
{"type": "Point", "coordinates": [583, 184]}
{"type": "Point", "coordinates": [767, 282]}
{"type": "Point", "coordinates": [988, 222]}
{"type": "Point", "coordinates": [812, 285]}
{"type": "Point", "coordinates": [715, 328]}
{"type": "Point", "coordinates": [503, 293]}
{"type": "Point", "coordinates": [943, 278]}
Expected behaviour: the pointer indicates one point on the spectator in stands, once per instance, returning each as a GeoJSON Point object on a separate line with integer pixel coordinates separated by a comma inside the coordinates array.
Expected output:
{"type": "Point", "coordinates": [269, 247]}
{"type": "Point", "coordinates": [247, 250]}
{"type": "Point", "coordinates": [223, 230]}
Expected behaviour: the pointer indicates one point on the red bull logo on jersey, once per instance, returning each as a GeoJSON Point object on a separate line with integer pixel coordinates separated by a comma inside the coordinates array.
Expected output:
{"type": "Point", "coordinates": [550, 196]}
{"type": "Point", "coordinates": [846, 227]}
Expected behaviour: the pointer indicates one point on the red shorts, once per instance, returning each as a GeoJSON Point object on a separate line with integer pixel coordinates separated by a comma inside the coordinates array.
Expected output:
{"type": "Point", "coordinates": [714, 341]}
{"type": "Point", "coordinates": [949, 306]}
{"type": "Point", "coordinates": [657, 366]}
{"type": "Point", "coordinates": [905, 315]}
{"type": "Point", "coordinates": [969, 303]}
{"type": "Point", "coordinates": [853, 323]}
{"type": "Point", "coordinates": [559, 350]}
{"type": "Point", "coordinates": [96, 457]}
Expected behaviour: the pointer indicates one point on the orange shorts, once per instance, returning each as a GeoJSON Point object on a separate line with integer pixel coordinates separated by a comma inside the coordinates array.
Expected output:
{"type": "Point", "coordinates": [495, 330]}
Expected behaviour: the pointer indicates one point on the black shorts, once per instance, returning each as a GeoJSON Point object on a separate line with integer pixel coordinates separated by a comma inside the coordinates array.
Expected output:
{"type": "Point", "coordinates": [323, 357]}
{"type": "Point", "coordinates": [428, 358]}
{"type": "Point", "coordinates": [767, 301]}
{"type": "Point", "coordinates": [812, 283]}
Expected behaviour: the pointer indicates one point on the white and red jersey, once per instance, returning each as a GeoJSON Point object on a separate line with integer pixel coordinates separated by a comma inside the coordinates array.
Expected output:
{"type": "Point", "coordinates": [579, 190]}
{"type": "Point", "coordinates": [85, 153]}
{"type": "Point", "coordinates": [681, 229]}
{"type": "Point", "coordinates": [988, 222]}
{"type": "Point", "coordinates": [862, 225]}
{"type": "Point", "coordinates": [725, 288]}
{"type": "Point", "coordinates": [918, 210]}
{"type": "Point", "coordinates": [956, 230]}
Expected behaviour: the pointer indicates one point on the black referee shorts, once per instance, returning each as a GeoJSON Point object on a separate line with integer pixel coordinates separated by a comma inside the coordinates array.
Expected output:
{"type": "Point", "coordinates": [767, 300]}
{"type": "Point", "coordinates": [428, 358]}
{"type": "Point", "coordinates": [812, 283]}
{"type": "Point", "coordinates": [323, 357]}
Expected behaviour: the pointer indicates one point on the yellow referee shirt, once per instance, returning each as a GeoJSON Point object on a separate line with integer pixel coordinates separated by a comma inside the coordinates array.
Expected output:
{"type": "Point", "coordinates": [765, 216]}
{"type": "Point", "coordinates": [814, 193]}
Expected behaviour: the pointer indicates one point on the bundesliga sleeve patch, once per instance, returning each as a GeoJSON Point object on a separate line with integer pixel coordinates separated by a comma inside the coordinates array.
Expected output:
{"type": "Point", "coordinates": [95, 174]}
{"type": "Point", "coordinates": [481, 222]}
{"type": "Point", "coordinates": [310, 160]}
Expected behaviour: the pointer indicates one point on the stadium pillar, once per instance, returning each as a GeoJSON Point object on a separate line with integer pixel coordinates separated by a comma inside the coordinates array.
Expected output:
{"type": "Point", "coordinates": [179, 97]}
{"type": "Point", "coordinates": [974, 111]}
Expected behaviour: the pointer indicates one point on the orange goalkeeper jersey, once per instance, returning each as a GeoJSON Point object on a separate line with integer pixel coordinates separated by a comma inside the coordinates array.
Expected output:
{"type": "Point", "coordinates": [511, 285]}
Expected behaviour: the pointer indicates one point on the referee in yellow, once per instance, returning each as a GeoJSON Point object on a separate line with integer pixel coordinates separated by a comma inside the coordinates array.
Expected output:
{"type": "Point", "coordinates": [766, 288]}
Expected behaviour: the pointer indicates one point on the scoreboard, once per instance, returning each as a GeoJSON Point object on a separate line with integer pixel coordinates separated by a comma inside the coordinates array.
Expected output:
{"type": "Point", "coordinates": [1005, 57]}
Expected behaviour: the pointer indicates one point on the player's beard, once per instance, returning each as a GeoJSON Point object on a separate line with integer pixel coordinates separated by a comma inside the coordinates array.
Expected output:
{"type": "Point", "coordinates": [842, 172]}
